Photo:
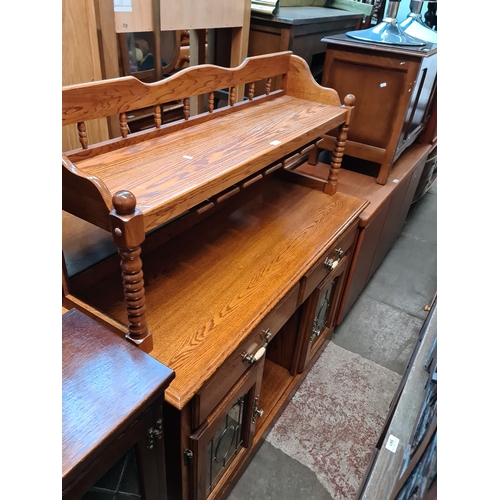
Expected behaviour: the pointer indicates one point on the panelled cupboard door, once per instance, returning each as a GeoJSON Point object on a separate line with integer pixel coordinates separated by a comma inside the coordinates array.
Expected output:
{"type": "Point", "coordinates": [319, 313]}
{"type": "Point", "coordinates": [222, 440]}
{"type": "Point", "coordinates": [142, 445]}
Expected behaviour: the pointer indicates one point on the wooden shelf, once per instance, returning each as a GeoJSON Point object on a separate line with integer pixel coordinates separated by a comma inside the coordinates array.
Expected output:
{"type": "Point", "coordinates": [178, 165]}
{"type": "Point", "coordinates": [170, 174]}
{"type": "Point", "coordinates": [275, 381]}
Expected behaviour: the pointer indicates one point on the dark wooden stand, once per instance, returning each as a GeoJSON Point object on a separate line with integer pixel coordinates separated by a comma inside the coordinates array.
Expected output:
{"type": "Point", "coordinates": [300, 29]}
{"type": "Point", "coordinates": [394, 88]}
{"type": "Point", "coordinates": [112, 395]}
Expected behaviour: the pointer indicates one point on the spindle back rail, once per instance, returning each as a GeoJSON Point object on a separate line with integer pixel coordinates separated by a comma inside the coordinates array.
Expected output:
{"type": "Point", "coordinates": [132, 184]}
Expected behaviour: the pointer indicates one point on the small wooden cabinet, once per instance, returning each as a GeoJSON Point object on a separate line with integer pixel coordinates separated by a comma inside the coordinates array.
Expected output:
{"type": "Point", "coordinates": [112, 396]}
{"type": "Point", "coordinates": [394, 88]}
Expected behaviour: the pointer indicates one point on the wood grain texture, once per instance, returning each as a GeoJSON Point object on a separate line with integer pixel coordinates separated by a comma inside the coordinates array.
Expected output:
{"type": "Point", "coordinates": [211, 286]}
{"type": "Point", "coordinates": [80, 61]}
{"type": "Point", "coordinates": [363, 186]}
{"type": "Point", "coordinates": [171, 174]}
{"type": "Point", "coordinates": [393, 88]}
{"type": "Point", "coordinates": [106, 384]}
{"type": "Point", "coordinates": [192, 14]}
{"type": "Point", "coordinates": [141, 17]}
{"type": "Point", "coordinates": [300, 84]}
{"type": "Point", "coordinates": [85, 195]}
{"type": "Point", "coordinates": [92, 100]}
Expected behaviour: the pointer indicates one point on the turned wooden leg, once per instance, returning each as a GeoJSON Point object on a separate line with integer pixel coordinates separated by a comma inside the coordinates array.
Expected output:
{"type": "Point", "coordinates": [338, 150]}
{"type": "Point", "coordinates": [127, 227]}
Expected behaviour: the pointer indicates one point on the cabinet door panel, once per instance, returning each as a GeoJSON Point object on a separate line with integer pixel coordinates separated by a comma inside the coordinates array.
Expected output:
{"type": "Point", "coordinates": [377, 90]}
{"type": "Point", "coordinates": [319, 314]}
{"type": "Point", "coordinates": [226, 434]}
{"type": "Point", "coordinates": [366, 246]}
{"type": "Point", "coordinates": [142, 461]}
{"type": "Point", "coordinates": [388, 234]}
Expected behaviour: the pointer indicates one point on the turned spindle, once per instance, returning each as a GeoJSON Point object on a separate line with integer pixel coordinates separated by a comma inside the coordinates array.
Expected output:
{"type": "Point", "coordinates": [338, 150]}
{"type": "Point", "coordinates": [185, 103]}
{"type": "Point", "coordinates": [123, 125]}
{"type": "Point", "coordinates": [82, 134]}
{"type": "Point", "coordinates": [211, 99]}
{"type": "Point", "coordinates": [232, 96]}
{"type": "Point", "coordinates": [268, 86]}
{"type": "Point", "coordinates": [157, 116]}
{"type": "Point", "coordinates": [251, 91]}
{"type": "Point", "coordinates": [128, 233]}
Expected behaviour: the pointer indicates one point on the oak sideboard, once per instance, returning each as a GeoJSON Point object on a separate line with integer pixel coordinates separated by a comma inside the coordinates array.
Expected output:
{"type": "Point", "coordinates": [230, 267]}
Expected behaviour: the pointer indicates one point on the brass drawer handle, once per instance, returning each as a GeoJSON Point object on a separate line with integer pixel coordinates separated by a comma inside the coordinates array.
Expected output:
{"type": "Point", "coordinates": [253, 358]}
{"type": "Point", "coordinates": [331, 264]}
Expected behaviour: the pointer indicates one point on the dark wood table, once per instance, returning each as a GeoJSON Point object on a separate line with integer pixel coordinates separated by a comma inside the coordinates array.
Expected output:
{"type": "Point", "coordinates": [112, 396]}
{"type": "Point", "coordinates": [299, 29]}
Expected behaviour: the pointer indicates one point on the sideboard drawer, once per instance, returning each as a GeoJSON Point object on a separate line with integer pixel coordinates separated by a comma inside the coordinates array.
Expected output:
{"type": "Point", "coordinates": [320, 270]}
{"type": "Point", "coordinates": [216, 388]}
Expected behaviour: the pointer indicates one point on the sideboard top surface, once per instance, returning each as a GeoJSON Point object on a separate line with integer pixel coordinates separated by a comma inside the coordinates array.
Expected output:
{"type": "Point", "coordinates": [224, 275]}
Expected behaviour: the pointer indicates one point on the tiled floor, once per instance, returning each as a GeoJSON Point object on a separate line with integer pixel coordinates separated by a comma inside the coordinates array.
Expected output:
{"type": "Point", "coordinates": [382, 326]}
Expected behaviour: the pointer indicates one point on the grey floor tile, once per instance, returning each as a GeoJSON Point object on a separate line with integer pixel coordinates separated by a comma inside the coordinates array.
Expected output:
{"type": "Point", "coordinates": [407, 278]}
{"type": "Point", "coordinates": [273, 475]}
{"type": "Point", "coordinates": [421, 222]}
{"type": "Point", "coordinates": [379, 332]}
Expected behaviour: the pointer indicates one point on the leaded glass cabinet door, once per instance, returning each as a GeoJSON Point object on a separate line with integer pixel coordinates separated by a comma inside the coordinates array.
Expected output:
{"type": "Point", "coordinates": [222, 440]}
{"type": "Point", "coordinates": [319, 313]}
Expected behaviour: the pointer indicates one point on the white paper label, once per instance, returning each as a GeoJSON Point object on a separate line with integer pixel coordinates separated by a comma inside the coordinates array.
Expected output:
{"type": "Point", "coordinates": [122, 5]}
{"type": "Point", "coordinates": [395, 181]}
{"type": "Point", "coordinates": [392, 443]}
{"type": "Point", "coordinates": [275, 143]}
{"type": "Point", "coordinates": [383, 84]}
{"type": "Point", "coordinates": [188, 157]}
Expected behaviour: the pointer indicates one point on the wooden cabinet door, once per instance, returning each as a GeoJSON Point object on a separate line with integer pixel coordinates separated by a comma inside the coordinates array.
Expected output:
{"type": "Point", "coordinates": [319, 314]}
{"type": "Point", "coordinates": [134, 463]}
{"type": "Point", "coordinates": [222, 440]}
